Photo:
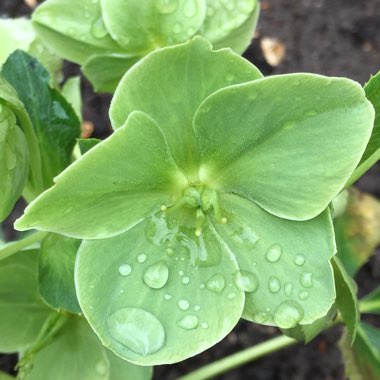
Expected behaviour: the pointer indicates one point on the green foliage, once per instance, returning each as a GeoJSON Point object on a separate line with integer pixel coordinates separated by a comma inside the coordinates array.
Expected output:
{"type": "Point", "coordinates": [371, 302]}
{"type": "Point", "coordinates": [107, 37]}
{"type": "Point", "coordinates": [55, 124]}
{"type": "Point", "coordinates": [209, 202]}
{"type": "Point", "coordinates": [86, 144]}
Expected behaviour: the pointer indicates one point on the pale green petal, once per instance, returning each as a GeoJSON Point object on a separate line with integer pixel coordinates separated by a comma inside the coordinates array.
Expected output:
{"type": "Point", "coordinates": [287, 142]}
{"type": "Point", "coordinates": [285, 264]}
{"type": "Point", "coordinates": [168, 296]}
{"type": "Point", "coordinates": [111, 188]}
{"type": "Point", "coordinates": [170, 84]}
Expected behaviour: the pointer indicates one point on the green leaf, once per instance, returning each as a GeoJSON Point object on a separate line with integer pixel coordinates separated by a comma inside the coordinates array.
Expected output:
{"type": "Point", "coordinates": [14, 164]}
{"type": "Point", "coordinates": [55, 123]}
{"type": "Point", "coordinates": [101, 198]}
{"type": "Point", "coordinates": [71, 91]}
{"type": "Point", "coordinates": [105, 70]}
{"type": "Point", "coordinates": [5, 376]}
{"type": "Point", "coordinates": [274, 141]}
{"type": "Point", "coordinates": [141, 26]}
{"type": "Point", "coordinates": [22, 312]}
{"type": "Point", "coordinates": [287, 260]}
{"type": "Point", "coordinates": [346, 298]}
{"type": "Point", "coordinates": [167, 287]}
{"type": "Point", "coordinates": [228, 25]}
{"type": "Point", "coordinates": [371, 302]}
{"type": "Point", "coordinates": [188, 73]}
{"type": "Point", "coordinates": [56, 272]}
{"type": "Point", "coordinates": [357, 230]}
{"type": "Point", "coordinates": [57, 23]}
{"type": "Point", "coordinates": [362, 359]}
{"type": "Point", "coordinates": [86, 144]}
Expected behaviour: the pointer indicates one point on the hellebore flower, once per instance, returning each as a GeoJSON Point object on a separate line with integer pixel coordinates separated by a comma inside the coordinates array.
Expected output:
{"type": "Point", "coordinates": [208, 203]}
{"type": "Point", "coordinates": [107, 37]}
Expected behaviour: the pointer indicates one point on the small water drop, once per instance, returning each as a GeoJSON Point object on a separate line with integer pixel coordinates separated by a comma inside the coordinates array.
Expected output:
{"type": "Point", "coordinates": [125, 270]}
{"type": "Point", "coordinates": [230, 77]}
{"type": "Point", "coordinates": [156, 276]}
{"type": "Point", "coordinates": [190, 8]}
{"type": "Point", "coordinates": [260, 317]}
{"type": "Point", "coordinates": [185, 280]}
{"type": "Point", "coordinates": [202, 286]}
{"type": "Point", "coordinates": [101, 367]}
{"type": "Point", "coordinates": [216, 283]}
{"type": "Point", "coordinates": [189, 322]}
{"type": "Point", "coordinates": [190, 32]}
{"type": "Point", "coordinates": [311, 113]}
{"type": "Point", "coordinates": [288, 314]}
{"type": "Point", "coordinates": [141, 258]}
{"type": "Point", "coordinates": [274, 253]}
{"type": "Point", "coordinates": [166, 6]}
{"type": "Point", "coordinates": [177, 28]}
{"type": "Point", "coordinates": [231, 296]}
{"type": "Point", "coordinates": [288, 289]}
{"type": "Point", "coordinates": [137, 330]}
{"type": "Point", "coordinates": [204, 325]}
{"type": "Point", "coordinates": [98, 29]}
{"type": "Point", "coordinates": [183, 305]}
{"type": "Point", "coordinates": [307, 280]}
{"type": "Point", "coordinates": [274, 284]}
{"type": "Point", "coordinates": [197, 308]}
{"type": "Point", "coordinates": [67, 210]}
{"type": "Point", "coordinates": [300, 259]}
{"type": "Point", "coordinates": [167, 297]}
{"type": "Point", "coordinates": [246, 281]}
{"type": "Point", "coordinates": [180, 273]}
{"type": "Point", "coordinates": [303, 295]}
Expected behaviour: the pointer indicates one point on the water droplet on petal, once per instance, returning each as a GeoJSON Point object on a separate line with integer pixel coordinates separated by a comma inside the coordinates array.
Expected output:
{"type": "Point", "coordinates": [125, 270]}
{"type": "Point", "coordinates": [183, 304]}
{"type": "Point", "coordinates": [303, 295]}
{"type": "Point", "coordinates": [141, 258]}
{"type": "Point", "coordinates": [137, 330]}
{"type": "Point", "coordinates": [300, 260]}
{"type": "Point", "coordinates": [98, 29]}
{"type": "Point", "coordinates": [185, 280]}
{"type": "Point", "coordinates": [274, 253]}
{"type": "Point", "coordinates": [307, 280]}
{"type": "Point", "coordinates": [197, 308]}
{"type": "Point", "coordinates": [288, 314]}
{"type": "Point", "coordinates": [216, 283]}
{"type": "Point", "coordinates": [190, 32]}
{"type": "Point", "coordinates": [189, 322]}
{"type": "Point", "coordinates": [180, 273]}
{"type": "Point", "coordinates": [274, 284]}
{"type": "Point", "coordinates": [204, 325]}
{"type": "Point", "coordinates": [167, 297]}
{"type": "Point", "coordinates": [156, 276]}
{"type": "Point", "coordinates": [246, 281]}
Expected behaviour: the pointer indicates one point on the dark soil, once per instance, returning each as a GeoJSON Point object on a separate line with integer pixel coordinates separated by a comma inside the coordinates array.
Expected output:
{"type": "Point", "coordinates": [331, 37]}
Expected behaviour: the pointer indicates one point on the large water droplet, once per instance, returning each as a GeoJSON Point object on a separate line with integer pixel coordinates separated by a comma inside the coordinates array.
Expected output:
{"type": "Point", "coordinates": [216, 283]}
{"type": "Point", "coordinates": [156, 276]}
{"type": "Point", "coordinates": [98, 29]}
{"type": "Point", "coordinates": [274, 284]}
{"type": "Point", "coordinates": [183, 304]}
{"type": "Point", "coordinates": [137, 330]}
{"type": "Point", "coordinates": [307, 280]}
{"type": "Point", "coordinates": [141, 258]}
{"type": "Point", "coordinates": [125, 270]}
{"type": "Point", "coordinates": [288, 314]}
{"type": "Point", "coordinates": [189, 322]}
{"type": "Point", "coordinates": [166, 6]}
{"type": "Point", "coordinates": [246, 281]}
{"type": "Point", "coordinates": [274, 253]}
{"type": "Point", "coordinates": [300, 259]}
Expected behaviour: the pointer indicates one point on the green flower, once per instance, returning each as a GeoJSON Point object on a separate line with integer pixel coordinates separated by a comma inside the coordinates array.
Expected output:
{"type": "Point", "coordinates": [208, 203]}
{"type": "Point", "coordinates": [107, 37]}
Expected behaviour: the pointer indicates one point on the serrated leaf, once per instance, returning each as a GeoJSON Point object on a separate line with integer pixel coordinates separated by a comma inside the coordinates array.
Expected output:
{"type": "Point", "coordinates": [166, 288]}
{"type": "Point", "coordinates": [22, 312]}
{"type": "Point", "coordinates": [346, 298]}
{"type": "Point", "coordinates": [371, 302]}
{"type": "Point", "coordinates": [362, 359]}
{"type": "Point", "coordinates": [357, 230]}
{"type": "Point", "coordinates": [55, 123]}
{"type": "Point", "coordinates": [86, 144]}
{"type": "Point", "coordinates": [56, 272]}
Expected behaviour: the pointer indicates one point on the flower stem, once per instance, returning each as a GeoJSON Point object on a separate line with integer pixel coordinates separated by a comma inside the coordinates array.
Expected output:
{"type": "Point", "coordinates": [17, 246]}
{"type": "Point", "coordinates": [240, 358]}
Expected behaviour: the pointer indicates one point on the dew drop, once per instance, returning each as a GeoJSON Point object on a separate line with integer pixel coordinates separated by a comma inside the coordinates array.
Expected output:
{"type": "Point", "coordinates": [137, 330]}
{"type": "Point", "coordinates": [141, 258]}
{"type": "Point", "coordinates": [156, 276]}
{"type": "Point", "coordinates": [230, 77]}
{"type": "Point", "coordinates": [260, 317]}
{"type": "Point", "coordinates": [231, 296]}
{"type": "Point", "coordinates": [288, 314]}
{"type": "Point", "coordinates": [68, 209]}
{"type": "Point", "coordinates": [300, 259]}
{"type": "Point", "coordinates": [177, 28]}
{"type": "Point", "coordinates": [183, 304]}
{"type": "Point", "coordinates": [288, 289]}
{"type": "Point", "coordinates": [180, 273]}
{"type": "Point", "coordinates": [246, 281]}
{"type": "Point", "coordinates": [204, 325]}
{"type": "Point", "coordinates": [101, 367]}
{"type": "Point", "coordinates": [197, 308]}
{"type": "Point", "coordinates": [190, 32]}
{"type": "Point", "coordinates": [185, 280]}
{"type": "Point", "coordinates": [125, 270]}
{"type": "Point", "coordinates": [274, 284]}
{"type": "Point", "coordinates": [167, 297]}
{"type": "Point", "coordinates": [303, 295]}
{"type": "Point", "coordinates": [190, 9]}
{"type": "Point", "coordinates": [166, 6]}
{"type": "Point", "coordinates": [216, 283]}
{"type": "Point", "coordinates": [189, 322]}
{"type": "Point", "coordinates": [98, 29]}
{"type": "Point", "coordinates": [274, 253]}
{"type": "Point", "coordinates": [307, 280]}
